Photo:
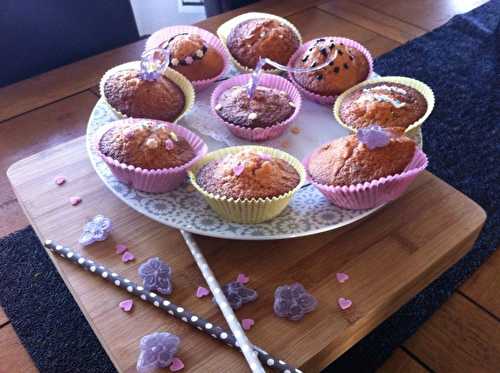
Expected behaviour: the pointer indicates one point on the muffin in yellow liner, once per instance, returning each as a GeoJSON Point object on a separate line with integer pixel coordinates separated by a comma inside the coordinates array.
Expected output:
{"type": "Point", "coordinates": [224, 30]}
{"type": "Point", "coordinates": [419, 86]}
{"type": "Point", "coordinates": [180, 80]}
{"type": "Point", "coordinates": [253, 210]}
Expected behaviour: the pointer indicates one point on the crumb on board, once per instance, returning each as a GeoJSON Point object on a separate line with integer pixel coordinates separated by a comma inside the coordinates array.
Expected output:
{"type": "Point", "coordinates": [285, 144]}
{"type": "Point", "coordinates": [190, 188]}
{"type": "Point", "coordinates": [295, 130]}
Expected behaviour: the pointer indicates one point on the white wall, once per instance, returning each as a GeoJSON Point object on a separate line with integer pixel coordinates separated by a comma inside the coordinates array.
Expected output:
{"type": "Point", "coordinates": [151, 15]}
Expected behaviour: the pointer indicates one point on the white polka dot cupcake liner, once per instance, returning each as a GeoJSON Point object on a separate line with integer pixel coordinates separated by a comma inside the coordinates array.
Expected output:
{"type": "Point", "coordinates": [179, 79]}
{"type": "Point", "coordinates": [247, 211]}
{"type": "Point", "coordinates": [225, 29]}
{"type": "Point", "coordinates": [213, 41]}
{"type": "Point", "coordinates": [419, 86]}
{"type": "Point", "coordinates": [258, 133]}
{"type": "Point", "coordinates": [326, 100]}
{"type": "Point", "coordinates": [374, 193]}
{"type": "Point", "coordinates": [158, 180]}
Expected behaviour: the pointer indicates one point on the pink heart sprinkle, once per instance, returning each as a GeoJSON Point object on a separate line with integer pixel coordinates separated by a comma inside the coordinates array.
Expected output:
{"type": "Point", "coordinates": [59, 180]}
{"type": "Point", "coordinates": [126, 305]}
{"type": "Point", "coordinates": [247, 323]}
{"type": "Point", "coordinates": [176, 365]}
{"type": "Point", "coordinates": [202, 292]}
{"type": "Point", "coordinates": [344, 303]}
{"type": "Point", "coordinates": [169, 144]}
{"type": "Point", "coordinates": [127, 257]}
{"type": "Point", "coordinates": [342, 277]}
{"type": "Point", "coordinates": [238, 169]}
{"type": "Point", "coordinates": [75, 200]}
{"type": "Point", "coordinates": [120, 249]}
{"type": "Point", "coordinates": [242, 279]}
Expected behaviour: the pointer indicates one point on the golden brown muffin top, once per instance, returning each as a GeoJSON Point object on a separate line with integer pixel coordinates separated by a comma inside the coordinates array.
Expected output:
{"type": "Point", "coordinates": [159, 99]}
{"type": "Point", "coordinates": [145, 144]}
{"type": "Point", "coordinates": [349, 67]}
{"type": "Point", "coordinates": [387, 104]}
{"type": "Point", "coordinates": [248, 174]}
{"type": "Point", "coordinates": [184, 45]}
{"type": "Point", "coordinates": [266, 108]}
{"type": "Point", "coordinates": [262, 37]}
{"type": "Point", "coordinates": [347, 161]}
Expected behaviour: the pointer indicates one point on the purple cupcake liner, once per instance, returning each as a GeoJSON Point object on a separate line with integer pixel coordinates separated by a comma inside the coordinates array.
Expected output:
{"type": "Point", "coordinates": [375, 193]}
{"type": "Point", "coordinates": [153, 181]}
{"type": "Point", "coordinates": [166, 33]}
{"type": "Point", "coordinates": [266, 80]}
{"type": "Point", "coordinates": [327, 100]}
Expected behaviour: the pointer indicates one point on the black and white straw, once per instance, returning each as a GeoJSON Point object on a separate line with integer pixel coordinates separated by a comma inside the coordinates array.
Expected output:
{"type": "Point", "coordinates": [172, 309]}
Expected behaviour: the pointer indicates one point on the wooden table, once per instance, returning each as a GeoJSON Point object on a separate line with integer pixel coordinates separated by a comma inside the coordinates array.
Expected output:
{"type": "Point", "coordinates": [390, 257]}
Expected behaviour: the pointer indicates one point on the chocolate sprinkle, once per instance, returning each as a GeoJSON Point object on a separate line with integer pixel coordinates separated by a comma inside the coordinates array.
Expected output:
{"type": "Point", "coordinates": [319, 76]}
{"type": "Point", "coordinates": [336, 69]}
{"type": "Point", "coordinates": [305, 58]}
{"type": "Point", "coordinates": [331, 63]}
{"type": "Point", "coordinates": [332, 45]}
{"type": "Point", "coordinates": [352, 58]}
{"type": "Point", "coordinates": [320, 40]}
{"type": "Point", "coordinates": [324, 52]}
{"type": "Point", "coordinates": [346, 66]}
{"type": "Point", "coordinates": [340, 52]}
{"type": "Point", "coordinates": [314, 64]}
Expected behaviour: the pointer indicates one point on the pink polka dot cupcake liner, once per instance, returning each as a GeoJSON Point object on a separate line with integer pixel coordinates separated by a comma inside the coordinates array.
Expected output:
{"type": "Point", "coordinates": [260, 133]}
{"type": "Point", "coordinates": [166, 33]}
{"type": "Point", "coordinates": [327, 100]}
{"type": "Point", "coordinates": [159, 180]}
{"type": "Point", "coordinates": [374, 193]}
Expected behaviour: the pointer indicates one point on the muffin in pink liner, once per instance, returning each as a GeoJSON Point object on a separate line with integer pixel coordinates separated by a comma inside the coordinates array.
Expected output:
{"type": "Point", "coordinates": [148, 133]}
{"type": "Point", "coordinates": [161, 37]}
{"type": "Point", "coordinates": [289, 102]}
{"type": "Point", "coordinates": [342, 159]}
{"type": "Point", "coordinates": [342, 69]}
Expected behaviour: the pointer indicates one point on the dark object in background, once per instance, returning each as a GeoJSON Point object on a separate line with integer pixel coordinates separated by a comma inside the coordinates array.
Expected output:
{"type": "Point", "coordinates": [38, 36]}
{"type": "Point", "coordinates": [214, 7]}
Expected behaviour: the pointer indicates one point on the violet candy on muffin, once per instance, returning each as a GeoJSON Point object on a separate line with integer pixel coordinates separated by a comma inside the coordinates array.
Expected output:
{"type": "Point", "coordinates": [262, 37]}
{"type": "Point", "coordinates": [248, 184]}
{"type": "Point", "coordinates": [366, 169]}
{"type": "Point", "coordinates": [386, 103]}
{"type": "Point", "coordinates": [151, 155]}
{"type": "Point", "coordinates": [349, 67]}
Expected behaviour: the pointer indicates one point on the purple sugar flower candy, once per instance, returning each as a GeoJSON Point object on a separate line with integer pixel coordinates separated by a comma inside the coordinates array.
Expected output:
{"type": "Point", "coordinates": [293, 302]}
{"type": "Point", "coordinates": [157, 351]}
{"type": "Point", "coordinates": [238, 169]}
{"type": "Point", "coordinates": [156, 275]}
{"type": "Point", "coordinates": [94, 230]}
{"type": "Point", "coordinates": [238, 294]}
{"type": "Point", "coordinates": [374, 137]}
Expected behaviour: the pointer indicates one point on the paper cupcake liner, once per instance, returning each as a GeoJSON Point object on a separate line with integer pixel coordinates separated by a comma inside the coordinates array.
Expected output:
{"type": "Point", "coordinates": [261, 133]}
{"type": "Point", "coordinates": [375, 193]}
{"type": "Point", "coordinates": [421, 87]}
{"type": "Point", "coordinates": [166, 33]}
{"type": "Point", "coordinates": [179, 79]}
{"type": "Point", "coordinates": [247, 211]}
{"type": "Point", "coordinates": [224, 30]}
{"type": "Point", "coordinates": [327, 100]}
{"type": "Point", "coordinates": [153, 181]}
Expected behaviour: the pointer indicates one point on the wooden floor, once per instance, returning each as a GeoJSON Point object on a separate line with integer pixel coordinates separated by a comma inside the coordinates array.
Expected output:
{"type": "Point", "coordinates": [462, 336]}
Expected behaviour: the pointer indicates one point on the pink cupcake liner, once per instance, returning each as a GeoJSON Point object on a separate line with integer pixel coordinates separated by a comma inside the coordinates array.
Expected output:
{"type": "Point", "coordinates": [266, 80]}
{"type": "Point", "coordinates": [154, 181]}
{"type": "Point", "coordinates": [326, 100]}
{"type": "Point", "coordinates": [166, 33]}
{"type": "Point", "coordinates": [375, 193]}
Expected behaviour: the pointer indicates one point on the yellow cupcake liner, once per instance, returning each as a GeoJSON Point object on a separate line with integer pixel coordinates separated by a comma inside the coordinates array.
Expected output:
{"type": "Point", "coordinates": [179, 79]}
{"type": "Point", "coordinates": [421, 87]}
{"type": "Point", "coordinates": [247, 211]}
{"type": "Point", "coordinates": [224, 30]}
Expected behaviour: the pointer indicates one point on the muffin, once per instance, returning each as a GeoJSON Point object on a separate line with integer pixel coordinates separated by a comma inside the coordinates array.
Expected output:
{"type": "Point", "coordinates": [132, 96]}
{"type": "Point", "coordinates": [349, 67]}
{"type": "Point", "coordinates": [248, 175]}
{"type": "Point", "coordinates": [262, 37]}
{"type": "Point", "coordinates": [349, 161]}
{"type": "Point", "coordinates": [191, 56]}
{"type": "Point", "coordinates": [266, 108]}
{"type": "Point", "coordinates": [386, 103]}
{"type": "Point", "coordinates": [146, 144]}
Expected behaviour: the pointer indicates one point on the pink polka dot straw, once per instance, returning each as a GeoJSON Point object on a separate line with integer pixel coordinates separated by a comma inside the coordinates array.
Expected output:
{"type": "Point", "coordinates": [177, 311]}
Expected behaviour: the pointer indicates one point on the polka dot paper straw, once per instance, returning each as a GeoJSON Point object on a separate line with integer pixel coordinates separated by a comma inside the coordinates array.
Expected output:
{"type": "Point", "coordinates": [243, 342]}
{"type": "Point", "coordinates": [172, 309]}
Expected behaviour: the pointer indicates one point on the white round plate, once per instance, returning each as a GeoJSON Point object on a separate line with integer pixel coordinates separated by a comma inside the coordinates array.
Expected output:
{"type": "Point", "coordinates": [308, 213]}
